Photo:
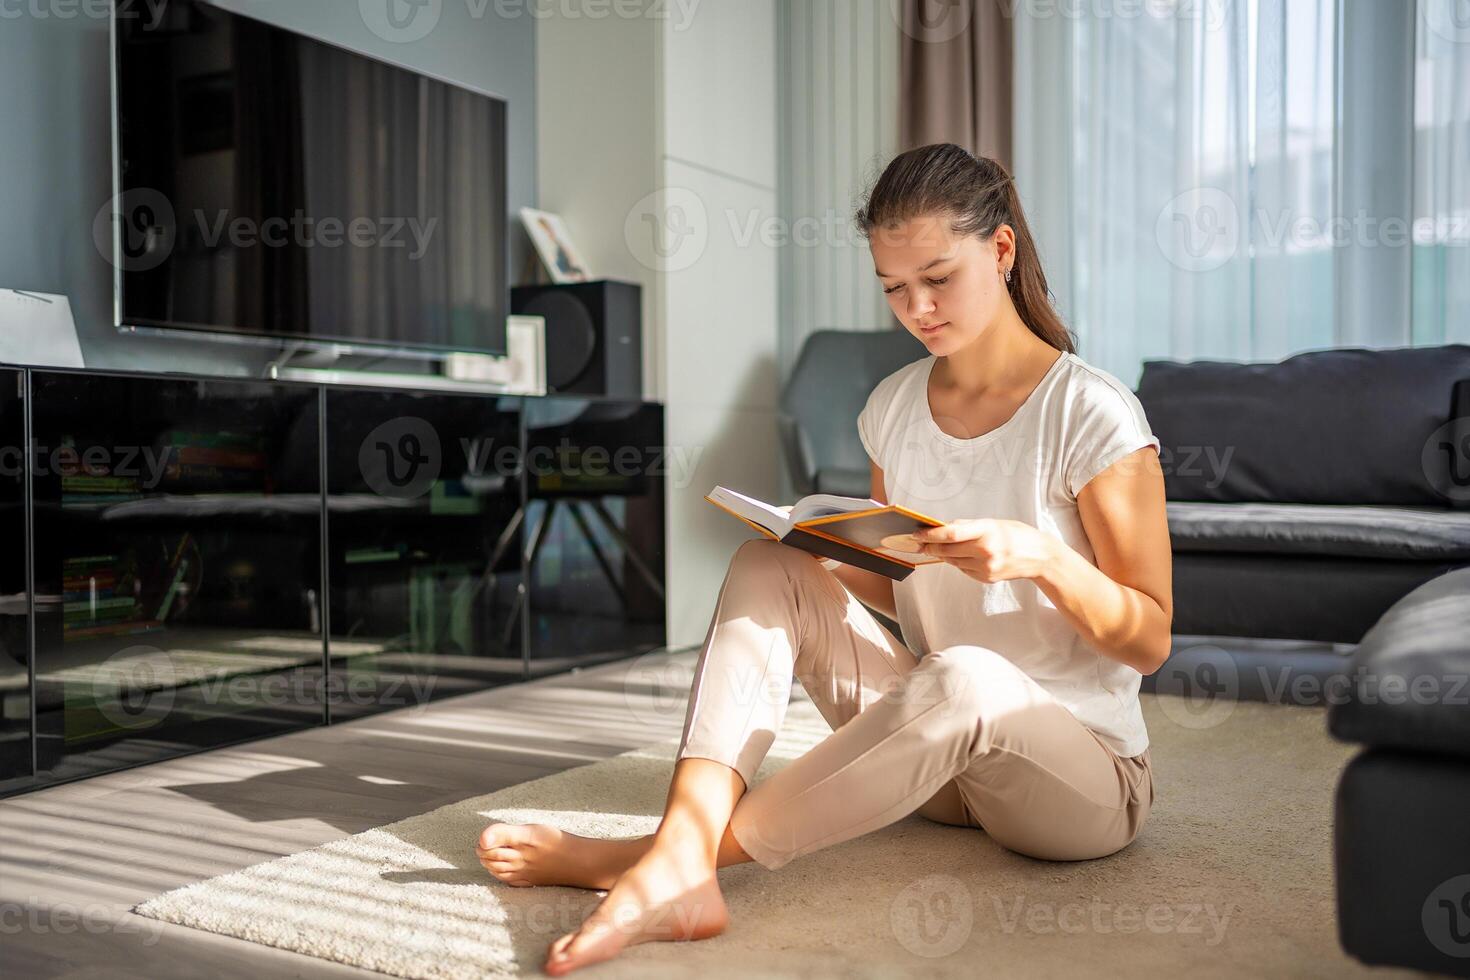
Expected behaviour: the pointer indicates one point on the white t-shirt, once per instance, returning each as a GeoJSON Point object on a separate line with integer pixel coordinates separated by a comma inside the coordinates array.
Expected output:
{"type": "Point", "coordinates": [1077, 422]}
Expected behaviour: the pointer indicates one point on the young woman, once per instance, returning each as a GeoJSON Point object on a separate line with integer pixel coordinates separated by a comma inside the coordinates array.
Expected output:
{"type": "Point", "coordinates": [1011, 703]}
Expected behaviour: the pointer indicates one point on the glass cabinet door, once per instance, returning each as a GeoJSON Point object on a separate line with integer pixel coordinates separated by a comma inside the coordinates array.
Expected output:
{"type": "Point", "coordinates": [177, 566]}
{"type": "Point", "coordinates": [424, 532]}
{"type": "Point", "coordinates": [15, 700]}
{"type": "Point", "coordinates": [595, 475]}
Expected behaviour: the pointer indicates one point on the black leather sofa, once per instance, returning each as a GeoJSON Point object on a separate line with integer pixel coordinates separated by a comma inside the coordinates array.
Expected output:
{"type": "Point", "coordinates": [1309, 495]}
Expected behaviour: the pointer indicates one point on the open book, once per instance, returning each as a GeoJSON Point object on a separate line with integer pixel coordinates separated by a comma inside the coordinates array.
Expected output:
{"type": "Point", "coordinates": [850, 529]}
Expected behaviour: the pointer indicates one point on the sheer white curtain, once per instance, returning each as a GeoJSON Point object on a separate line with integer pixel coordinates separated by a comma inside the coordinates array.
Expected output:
{"type": "Point", "coordinates": [1196, 148]}
{"type": "Point", "coordinates": [1441, 233]}
{"type": "Point", "coordinates": [1160, 172]}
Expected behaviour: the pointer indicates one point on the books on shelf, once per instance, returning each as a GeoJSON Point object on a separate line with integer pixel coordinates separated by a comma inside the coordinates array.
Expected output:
{"type": "Point", "coordinates": [89, 488]}
{"type": "Point", "coordinates": [176, 462]}
{"type": "Point", "coordinates": [857, 531]}
{"type": "Point", "coordinates": [219, 461]}
{"type": "Point", "coordinates": [128, 627]}
{"type": "Point", "coordinates": [97, 598]}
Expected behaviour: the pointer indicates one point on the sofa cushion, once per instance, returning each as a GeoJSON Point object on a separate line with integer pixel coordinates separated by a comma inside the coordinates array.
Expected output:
{"type": "Point", "coordinates": [1367, 531]}
{"type": "Point", "coordinates": [1409, 680]}
{"type": "Point", "coordinates": [1344, 426]}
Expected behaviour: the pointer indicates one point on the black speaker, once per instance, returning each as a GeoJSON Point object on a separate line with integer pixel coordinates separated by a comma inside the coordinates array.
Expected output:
{"type": "Point", "coordinates": [594, 334]}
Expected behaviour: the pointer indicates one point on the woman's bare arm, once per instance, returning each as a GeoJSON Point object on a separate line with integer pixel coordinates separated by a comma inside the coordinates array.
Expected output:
{"type": "Point", "coordinates": [876, 591]}
{"type": "Point", "coordinates": [1123, 605]}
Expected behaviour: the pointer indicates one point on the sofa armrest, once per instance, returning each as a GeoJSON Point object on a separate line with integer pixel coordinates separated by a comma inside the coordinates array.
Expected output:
{"type": "Point", "coordinates": [1409, 679]}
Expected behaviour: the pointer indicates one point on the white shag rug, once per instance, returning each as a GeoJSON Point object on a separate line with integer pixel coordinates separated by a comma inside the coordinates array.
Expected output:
{"type": "Point", "coordinates": [1230, 877]}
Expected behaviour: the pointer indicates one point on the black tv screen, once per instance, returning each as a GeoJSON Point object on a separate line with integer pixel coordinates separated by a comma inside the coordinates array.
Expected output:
{"type": "Point", "coordinates": [275, 186]}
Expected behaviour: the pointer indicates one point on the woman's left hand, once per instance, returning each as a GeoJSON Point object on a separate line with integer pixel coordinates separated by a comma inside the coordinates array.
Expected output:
{"type": "Point", "coordinates": [990, 550]}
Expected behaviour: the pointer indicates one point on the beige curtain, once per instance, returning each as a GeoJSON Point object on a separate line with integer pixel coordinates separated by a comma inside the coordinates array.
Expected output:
{"type": "Point", "coordinates": [955, 75]}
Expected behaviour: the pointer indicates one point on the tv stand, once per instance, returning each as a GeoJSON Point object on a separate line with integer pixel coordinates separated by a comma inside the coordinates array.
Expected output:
{"type": "Point", "coordinates": [202, 560]}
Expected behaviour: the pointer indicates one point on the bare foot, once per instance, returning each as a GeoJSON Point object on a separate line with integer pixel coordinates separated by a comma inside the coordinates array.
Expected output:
{"type": "Point", "coordinates": [535, 854]}
{"type": "Point", "coordinates": [671, 893]}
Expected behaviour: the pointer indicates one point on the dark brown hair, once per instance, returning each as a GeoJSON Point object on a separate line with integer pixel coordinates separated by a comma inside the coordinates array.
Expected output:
{"type": "Point", "coordinates": [976, 195]}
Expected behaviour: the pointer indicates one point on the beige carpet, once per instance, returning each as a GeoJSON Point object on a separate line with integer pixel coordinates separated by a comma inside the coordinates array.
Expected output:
{"type": "Point", "coordinates": [1231, 877]}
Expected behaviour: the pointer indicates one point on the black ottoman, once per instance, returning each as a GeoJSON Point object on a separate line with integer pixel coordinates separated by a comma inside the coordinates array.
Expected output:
{"type": "Point", "coordinates": [1402, 827]}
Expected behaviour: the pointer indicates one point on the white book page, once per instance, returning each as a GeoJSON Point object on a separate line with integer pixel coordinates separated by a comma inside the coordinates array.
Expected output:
{"type": "Point", "coordinates": [769, 516]}
{"type": "Point", "coordinates": [826, 504]}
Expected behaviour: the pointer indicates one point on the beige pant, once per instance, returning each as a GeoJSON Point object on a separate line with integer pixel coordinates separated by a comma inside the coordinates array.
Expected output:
{"type": "Point", "coordinates": [962, 735]}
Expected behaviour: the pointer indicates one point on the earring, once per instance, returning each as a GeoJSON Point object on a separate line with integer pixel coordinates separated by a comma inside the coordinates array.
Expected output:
{"type": "Point", "coordinates": [1008, 277]}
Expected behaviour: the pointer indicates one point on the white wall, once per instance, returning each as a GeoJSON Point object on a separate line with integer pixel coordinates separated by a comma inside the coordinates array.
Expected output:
{"type": "Point", "coordinates": [720, 329]}
{"type": "Point", "coordinates": [657, 141]}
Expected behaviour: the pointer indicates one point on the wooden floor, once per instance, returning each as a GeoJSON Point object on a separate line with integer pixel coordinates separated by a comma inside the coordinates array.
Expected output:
{"type": "Point", "coordinates": [74, 859]}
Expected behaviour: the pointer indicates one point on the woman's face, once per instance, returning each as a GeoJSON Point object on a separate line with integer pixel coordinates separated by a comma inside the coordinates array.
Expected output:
{"type": "Point", "coordinates": [936, 279]}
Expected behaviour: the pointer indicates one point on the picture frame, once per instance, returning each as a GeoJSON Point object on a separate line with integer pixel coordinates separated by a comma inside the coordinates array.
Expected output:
{"type": "Point", "coordinates": [554, 244]}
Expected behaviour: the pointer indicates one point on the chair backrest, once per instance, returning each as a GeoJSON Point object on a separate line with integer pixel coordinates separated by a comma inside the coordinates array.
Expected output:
{"type": "Point", "coordinates": [829, 384]}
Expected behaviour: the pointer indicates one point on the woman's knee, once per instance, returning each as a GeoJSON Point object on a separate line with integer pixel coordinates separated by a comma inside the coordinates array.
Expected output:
{"type": "Point", "coordinates": [763, 556]}
{"type": "Point", "coordinates": [757, 551]}
{"type": "Point", "coordinates": [979, 677]}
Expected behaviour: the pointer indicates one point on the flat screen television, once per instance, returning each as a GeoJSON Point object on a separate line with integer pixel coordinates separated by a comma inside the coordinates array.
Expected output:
{"type": "Point", "coordinates": [271, 186]}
